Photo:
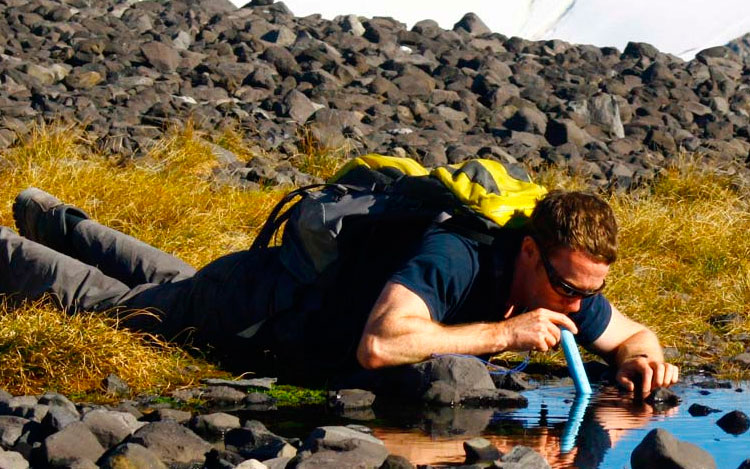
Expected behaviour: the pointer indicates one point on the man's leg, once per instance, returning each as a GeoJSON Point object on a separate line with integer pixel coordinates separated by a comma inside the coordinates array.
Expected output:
{"type": "Point", "coordinates": [28, 270]}
{"type": "Point", "coordinates": [43, 218]}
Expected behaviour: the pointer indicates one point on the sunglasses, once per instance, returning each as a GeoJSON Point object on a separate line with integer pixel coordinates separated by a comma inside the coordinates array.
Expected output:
{"type": "Point", "coordinates": [562, 287]}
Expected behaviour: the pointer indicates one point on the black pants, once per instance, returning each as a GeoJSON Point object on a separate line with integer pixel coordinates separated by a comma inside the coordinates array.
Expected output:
{"type": "Point", "coordinates": [104, 270]}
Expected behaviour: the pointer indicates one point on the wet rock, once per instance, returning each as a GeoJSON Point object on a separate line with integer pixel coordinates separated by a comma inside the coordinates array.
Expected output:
{"type": "Point", "coordinates": [735, 422]}
{"type": "Point", "coordinates": [699, 410]}
{"type": "Point", "coordinates": [480, 450]}
{"type": "Point", "coordinates": [346, 399]}
{"type": "Point", "coordinates": [663, 397]}
{"type": "Point", "coordinates": [745, 464]}
{"type": "Point", "coordinates": [171, 443]}
{"type": "Point", "coordinates": [713, 384]}
{"type": "Point", "coordinates": [661, 449]}
{"type": "Point", "coordinates": [522, 457]}
{"type": "Point", "coordinates": [259, 402]}
{"type": "Point", "coordinates": [242, 384]}
{"type": "Point", "coordinates": [130, 455]}
{"type": "Point", "coordinates": [512, 381]}
{"type": "Point", "coordinates": [223, 395]}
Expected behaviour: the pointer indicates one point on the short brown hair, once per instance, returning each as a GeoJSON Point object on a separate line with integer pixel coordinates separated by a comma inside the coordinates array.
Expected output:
{"type": "Point", "coordinates": [576, 220]}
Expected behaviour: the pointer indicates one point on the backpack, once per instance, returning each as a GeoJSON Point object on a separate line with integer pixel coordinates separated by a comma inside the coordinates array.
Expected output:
{"type": "Point", "coordinates": [474, 198]}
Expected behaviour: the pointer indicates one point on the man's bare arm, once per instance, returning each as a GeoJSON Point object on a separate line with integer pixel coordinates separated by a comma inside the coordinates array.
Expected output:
{"type": "Point", "coordinates": [400, 330]}
{"type": "Point", "coordinates": [636, 352]}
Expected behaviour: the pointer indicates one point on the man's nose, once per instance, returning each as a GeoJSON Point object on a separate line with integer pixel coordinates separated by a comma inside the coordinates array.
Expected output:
{"type": "Point", "coordinates": [572, 305]}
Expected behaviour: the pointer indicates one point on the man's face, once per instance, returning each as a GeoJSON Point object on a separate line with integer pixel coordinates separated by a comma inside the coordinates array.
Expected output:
{"type": "Point", "coordinates": [561, 279]}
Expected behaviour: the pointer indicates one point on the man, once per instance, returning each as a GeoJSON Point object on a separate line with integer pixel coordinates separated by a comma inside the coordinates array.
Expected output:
{"type": "Point", "coordinates": [444, 293]}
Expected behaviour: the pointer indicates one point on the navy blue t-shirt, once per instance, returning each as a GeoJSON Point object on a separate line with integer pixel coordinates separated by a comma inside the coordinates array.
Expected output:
{"type": "Point", "coordinates": [463, 281]}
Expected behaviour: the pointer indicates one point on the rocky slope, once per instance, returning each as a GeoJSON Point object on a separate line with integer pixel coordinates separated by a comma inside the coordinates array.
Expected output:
{"type": "Point", "coordinates": [128, 69]}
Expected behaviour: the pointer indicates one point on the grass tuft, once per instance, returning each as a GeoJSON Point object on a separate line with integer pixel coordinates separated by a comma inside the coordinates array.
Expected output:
{"type": "Point", "coordinates": [45, 349]}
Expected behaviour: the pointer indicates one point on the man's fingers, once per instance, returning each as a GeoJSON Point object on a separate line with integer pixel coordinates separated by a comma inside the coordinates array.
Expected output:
{"type": "Point", "coordinates": [648, 375]}
{"type": "Point", "coordinates": [626, 382]}
{"type": "Point", "coordinates": [659, 371]}
{"type": "Point", "coordinates": [671, 375]}
{"type": "Point", "coordinates": [562, 320]}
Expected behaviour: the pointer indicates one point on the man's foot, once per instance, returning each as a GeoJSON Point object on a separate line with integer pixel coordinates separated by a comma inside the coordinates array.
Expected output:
{"type": "Point", "coordinates": [40, 217]}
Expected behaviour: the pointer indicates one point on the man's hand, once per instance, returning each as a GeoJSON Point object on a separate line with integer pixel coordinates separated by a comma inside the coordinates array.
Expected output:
{"type": "Point", "coordinates": [646, 373]}
{"type": "Point", "coordinates": [538, 330]}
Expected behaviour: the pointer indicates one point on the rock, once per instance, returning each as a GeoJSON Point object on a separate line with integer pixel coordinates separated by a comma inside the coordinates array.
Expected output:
{"type": "Point", "coordinates": [242, 384]}
{"type": "Point", "coordinates": [472, 24]}
{"type": "Point", "coordinates": [83, 79]}
{"type": "Point", "coordinates": [223, 395]}
{"type": "Point", "coordinates": [331, 447]}
{"type": "Point", "coordinates": [110, 427]}
{"type": "Point", "coordinates": [345, 399]}
{"type": "Point", "coordinates": [698, 410]}
{"type": "Point", "coordinates": [75, 441]}
{"type": "Point", "coordinates": [663, 397]}
{"type": "Point", "coordinates": [713, 384]}
{"type": "Point", "coordinates": [114, 385]}
{"type": "Point", "coordinates": [745, 464]}
{"type": "Point", "coordinates": [162, 57]}
{"type": "Point", "coordinates": [214, 425]}
{"type": "Point", "coordinates": [171, 443]}
{"type": "Point", "coordinates": [12, 460]}
{"type": "Point", "coordinates": [254, 440]}
{"type": "Point", "coordinates": [735, 422]}
{"type": "Point", "coordinates": [130, 455]}
{"type": "Point", "coordinates": [522, 457]}
{"type": "Point", "coordinates": [179, 416]}
{"type": "Point", "coordinates": [251, 464]}
{"type": "Point", "coordinates": [480, 450]}
{"type": "Point", "coordinates": [661, 449]}
{"type": "Point", "coordinates": [742, 359]}
{"type": "Point", "coordinates": [512, 381]}
{"type": "Point", "coordinates": [394, 461]}
{"type": "Point", "coordinates": [11, 429]}
{"type": "Point", "coordinates": [561, 131]}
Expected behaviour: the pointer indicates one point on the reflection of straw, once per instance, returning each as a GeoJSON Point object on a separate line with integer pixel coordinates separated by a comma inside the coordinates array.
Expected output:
{"type": "Point", "coordinates": [575, 417]}
{"type": "Point", "coordinates": [575, 364]}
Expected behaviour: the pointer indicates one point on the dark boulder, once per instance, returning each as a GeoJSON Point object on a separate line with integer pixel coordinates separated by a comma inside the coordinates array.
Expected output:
{"type": "Point", "coordinates": [661, 449]}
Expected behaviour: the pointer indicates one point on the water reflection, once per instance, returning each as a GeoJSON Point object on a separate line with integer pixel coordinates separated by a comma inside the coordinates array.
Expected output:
{"type": "Point", "coordinates": [569, 433]}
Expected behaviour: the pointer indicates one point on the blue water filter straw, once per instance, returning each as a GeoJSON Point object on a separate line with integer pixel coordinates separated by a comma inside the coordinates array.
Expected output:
{"type": "Point", "coordinates": [575, 364]}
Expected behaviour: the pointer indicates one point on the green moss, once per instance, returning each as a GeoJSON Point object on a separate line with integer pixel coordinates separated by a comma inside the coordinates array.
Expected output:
{"type": "Point", "coordinates": [293, 396]}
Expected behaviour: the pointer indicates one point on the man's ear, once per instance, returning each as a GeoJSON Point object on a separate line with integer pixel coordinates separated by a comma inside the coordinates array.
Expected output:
{"type": "Point", "coordinates": [529, 248]}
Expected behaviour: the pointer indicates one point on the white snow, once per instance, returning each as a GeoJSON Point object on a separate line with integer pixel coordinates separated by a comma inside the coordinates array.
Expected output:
{"type": "Point", "coordinates": [680, 27]}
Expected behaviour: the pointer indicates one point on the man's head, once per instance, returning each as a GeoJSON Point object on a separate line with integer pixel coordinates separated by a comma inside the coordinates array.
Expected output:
{"type": "Point", "coordinates": [572, 241]}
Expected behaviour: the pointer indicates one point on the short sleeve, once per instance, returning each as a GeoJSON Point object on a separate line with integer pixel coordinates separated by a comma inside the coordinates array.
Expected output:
{"type": "Point", "coordinates": [441, 271]}
{"type": "Point", "coordinates": [592, 319]}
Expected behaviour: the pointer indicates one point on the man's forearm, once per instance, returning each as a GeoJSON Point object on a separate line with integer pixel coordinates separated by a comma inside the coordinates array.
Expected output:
{"type": "Point", "coordinates": [398, 347]}
{"type": "Point", "coordinates": [643, 344]}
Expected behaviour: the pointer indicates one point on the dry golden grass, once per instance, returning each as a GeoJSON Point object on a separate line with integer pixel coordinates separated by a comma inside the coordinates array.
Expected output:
{"type": "Point", "coordinates": [166, 199]}
{"type": "Point", "coordinates": [684, 251]}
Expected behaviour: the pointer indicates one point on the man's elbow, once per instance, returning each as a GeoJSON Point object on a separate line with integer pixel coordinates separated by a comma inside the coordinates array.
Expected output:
{"type": "Point", "coordinates": [369, 353]}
